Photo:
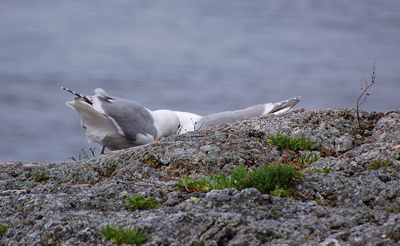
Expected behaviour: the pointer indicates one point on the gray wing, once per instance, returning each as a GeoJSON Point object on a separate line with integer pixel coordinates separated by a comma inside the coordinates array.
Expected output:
{"type": "Point", "coordinates": [231, 116]}
{"type": "Point", "coordinates": [131, 117]}
{"type": "Point", "coordinates": [238, 115]}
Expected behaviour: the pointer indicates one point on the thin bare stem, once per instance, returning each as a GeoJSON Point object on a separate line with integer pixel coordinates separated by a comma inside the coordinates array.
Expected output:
{"type": "Point", "coordinates": [364, 94]}
{"type": "Point", "coordinates": [84, 155]}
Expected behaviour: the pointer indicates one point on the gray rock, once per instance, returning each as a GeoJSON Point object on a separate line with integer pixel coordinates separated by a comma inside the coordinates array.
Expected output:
{"type": "Point", "coordinates": [348, 204]}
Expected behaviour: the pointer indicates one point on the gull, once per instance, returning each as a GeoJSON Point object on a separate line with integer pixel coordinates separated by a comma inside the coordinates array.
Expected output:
{"type": "Point", "coordinates": [116, 123]}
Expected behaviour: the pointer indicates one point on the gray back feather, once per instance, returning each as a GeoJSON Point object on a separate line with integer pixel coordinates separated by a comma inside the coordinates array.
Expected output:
{"type": "Point", "coordinates": [132, 117]}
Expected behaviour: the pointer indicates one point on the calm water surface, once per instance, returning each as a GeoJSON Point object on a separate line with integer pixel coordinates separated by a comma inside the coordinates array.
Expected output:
{"type": "Point", "coordinates": [198, 56]}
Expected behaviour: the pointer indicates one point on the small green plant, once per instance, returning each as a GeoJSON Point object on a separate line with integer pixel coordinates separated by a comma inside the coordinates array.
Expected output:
{"type": "Point", "coordinates": [320, 201]}
{"type": "Point", "coordinates": [218, 182]}
{"type": "Point", "coordinates": [240, 178]}
{"type": "Point", "coordinates": [393, 211]}
{"type": "Point", "coordinates": [3, 229]}
{"type": "Point", "coordinates": [123, 236]}
{"type": "Point", "coordinates": [299, 161]}
{"type": "Point", "coordinates": [376, 164]}
{"type": "Point", "coordinates": [282, 142]}
{"type": "Point", "coordinates": [322, 170]}
{"type": "Point", "coordinates": [280, 192]}
{"type": "Point", "coordinates": [205, 184]}
{"type": "Point", "coordinates": [191, 185]}
{"type": "Point", "coordinates": [40, 176]}
{"type": "Point", "coordinates": [306, 159]}
{"type": "Point", "coordinates": [140, 202]}
{"type": "Point", "coordinates": [272, 177]}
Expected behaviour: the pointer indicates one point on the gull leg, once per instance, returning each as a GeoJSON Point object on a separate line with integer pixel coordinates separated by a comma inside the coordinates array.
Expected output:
{"type": "Point", "coordinates": [102, 150]}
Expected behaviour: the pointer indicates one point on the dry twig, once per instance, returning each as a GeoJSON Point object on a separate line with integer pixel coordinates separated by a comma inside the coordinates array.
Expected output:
{"type": "Point", "coordinates": [365, 87]}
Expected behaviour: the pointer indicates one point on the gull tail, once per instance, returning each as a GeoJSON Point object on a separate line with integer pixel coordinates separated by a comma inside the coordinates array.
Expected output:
{"type": "Point", "coordinates": [79, 95]}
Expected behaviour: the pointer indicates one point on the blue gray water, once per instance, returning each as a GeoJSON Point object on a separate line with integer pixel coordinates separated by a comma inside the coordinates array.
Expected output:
{"type": "Point", "coordinates": [199, 56]}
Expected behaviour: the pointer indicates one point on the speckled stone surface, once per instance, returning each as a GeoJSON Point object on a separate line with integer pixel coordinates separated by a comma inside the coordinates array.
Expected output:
{"type": "Point", "coordinates": [350, 205]}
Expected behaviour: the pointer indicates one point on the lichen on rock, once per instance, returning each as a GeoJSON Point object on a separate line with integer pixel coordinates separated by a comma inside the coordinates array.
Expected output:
{"type": "Point", "coordinates": [340, 202]}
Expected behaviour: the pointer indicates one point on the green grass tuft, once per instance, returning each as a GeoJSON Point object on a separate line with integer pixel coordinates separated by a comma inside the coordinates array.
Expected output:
{"type": "Point", "coordinates": [205, 184]}
{"type": "Point", "coordinates": [376, 164]}
{"type": "Point", "coordinates": [272, 177]}
{"type": "Point", "coordinates": [3, 229]}
{"type": "Point", "coordinates": [123, 236]}
{"type": "Point", "coordinates": [140, 202]}
{"type": "Point", "coordinates": [281, 192]}
{"type": "Point", "coordinates": [40, 176]}
{"type": "Point", "coordinates": [306, 159]}
{"type": "Point", "coordinates": [325, 170]}
{"type": "Point", "coordinates": [282, 142]}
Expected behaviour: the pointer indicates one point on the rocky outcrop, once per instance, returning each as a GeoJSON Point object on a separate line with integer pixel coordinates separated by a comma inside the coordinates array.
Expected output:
{"type": "Point", "coordinates": [342, 200]}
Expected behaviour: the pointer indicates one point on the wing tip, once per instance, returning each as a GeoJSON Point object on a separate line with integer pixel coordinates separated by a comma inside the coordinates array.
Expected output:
{"type": "Point", "coordinates": [281, 107]}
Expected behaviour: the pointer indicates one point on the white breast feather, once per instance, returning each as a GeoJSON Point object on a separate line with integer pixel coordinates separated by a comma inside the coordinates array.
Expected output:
{"type": "Point", "coordinates": [188, 121]}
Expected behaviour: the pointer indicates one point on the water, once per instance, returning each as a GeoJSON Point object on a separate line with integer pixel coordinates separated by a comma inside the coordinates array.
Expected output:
{"type": "Point", "coordinates": [198, 56]}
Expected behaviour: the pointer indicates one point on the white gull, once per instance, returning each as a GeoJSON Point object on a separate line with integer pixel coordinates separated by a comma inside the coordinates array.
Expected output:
{"type": "Point", "coordinates": [117, 123]}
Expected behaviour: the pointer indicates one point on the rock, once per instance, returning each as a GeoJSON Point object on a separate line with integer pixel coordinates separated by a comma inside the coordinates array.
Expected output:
{"type": "Point", "coordinates": [341, 201]}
